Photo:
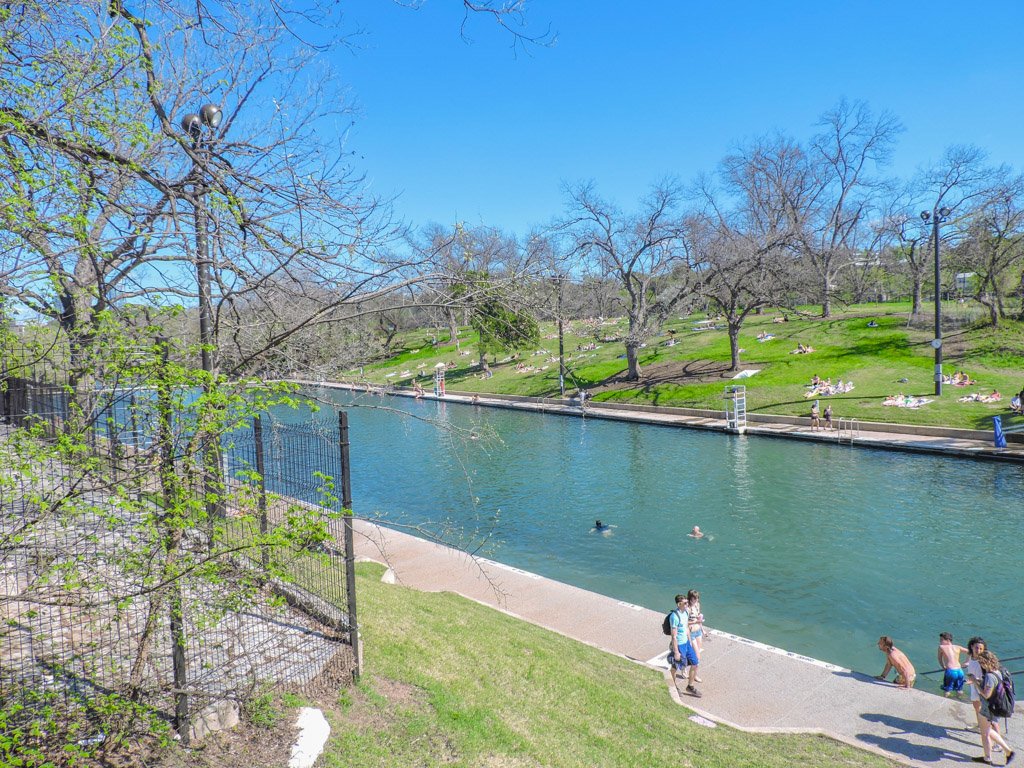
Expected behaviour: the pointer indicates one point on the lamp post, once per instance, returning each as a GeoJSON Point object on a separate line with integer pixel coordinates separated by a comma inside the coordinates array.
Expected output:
{"type": "Point", "coordinates": [937, 216]}
{"type": "Point", "coordinates": [209, 117]}
{"type": "Point", "coordinates": [561, 344]}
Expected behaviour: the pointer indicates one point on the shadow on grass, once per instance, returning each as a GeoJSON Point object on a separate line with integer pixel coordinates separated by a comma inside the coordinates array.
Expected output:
{"type": "Point", "coordinates": [679, 372]}
{"type": "Point", "coordinates": [882, 347]}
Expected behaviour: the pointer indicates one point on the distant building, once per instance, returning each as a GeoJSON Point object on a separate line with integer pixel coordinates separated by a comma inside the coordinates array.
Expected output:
{"type": "Point", "coordinates": [963, 282]}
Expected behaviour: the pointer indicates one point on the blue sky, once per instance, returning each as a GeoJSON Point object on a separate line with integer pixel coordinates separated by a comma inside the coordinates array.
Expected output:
{"type": "Point", "coordinates": [632, 92]}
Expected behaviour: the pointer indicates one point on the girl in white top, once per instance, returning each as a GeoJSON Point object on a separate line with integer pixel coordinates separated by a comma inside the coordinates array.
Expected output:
{"type": "Point", "coordinates": [696, 622]}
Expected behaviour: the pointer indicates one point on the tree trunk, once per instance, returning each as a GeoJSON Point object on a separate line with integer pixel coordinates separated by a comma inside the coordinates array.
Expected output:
{"type": "Point", "coordinates": [632, 364]}
{"type": "Point", "coordinates": [915, 308]}
{"type": "Point", "coordinates": [453, 330]}
{"type": "Point", "coordinates": [734, 345]}
{"type": "Point", "coordinates": [993, 310]}
{"type": "Point", "coordinates": [826, 299]}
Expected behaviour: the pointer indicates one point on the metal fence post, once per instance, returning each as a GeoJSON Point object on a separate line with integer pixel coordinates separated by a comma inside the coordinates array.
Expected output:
{"type": "Point", "coordinates": [350, 554]}
{"type": "Point", "coordinates": [257, 435]}
{"type": "Point", "coordinates": [136, 452]}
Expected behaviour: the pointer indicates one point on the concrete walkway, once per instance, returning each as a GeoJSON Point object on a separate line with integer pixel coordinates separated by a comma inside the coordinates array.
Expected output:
{"type": "Point", "coordinates": [863, 436]}
{"type": "Point", "coordinates": [895, 437]}
{"type": "Point", "coordinates": [746, 684]}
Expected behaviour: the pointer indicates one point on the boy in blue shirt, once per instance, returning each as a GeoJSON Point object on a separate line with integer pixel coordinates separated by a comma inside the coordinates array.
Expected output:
{"type": "Point", "coordinates": [681, 653]}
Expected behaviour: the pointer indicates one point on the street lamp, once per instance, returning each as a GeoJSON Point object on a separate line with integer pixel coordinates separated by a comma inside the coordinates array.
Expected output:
{"type": "Point", "coordinates": [937, 216]}
{"type": "Point", "coordinates": [209, 117]}
{"type": "Point", "coordinates": [193, 124]}
{"type": "Point", "coordinates": [561, 344]}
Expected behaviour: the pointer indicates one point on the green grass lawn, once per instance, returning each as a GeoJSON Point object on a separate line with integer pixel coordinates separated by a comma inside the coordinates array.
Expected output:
{"type": "Point", "coordinates": [874, 358]}
{"type": "Point", "coordinates": [450, 682]}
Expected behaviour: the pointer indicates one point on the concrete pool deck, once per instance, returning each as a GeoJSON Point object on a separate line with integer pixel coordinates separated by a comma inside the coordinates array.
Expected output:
{"type": "Point", "coordinates": [965, 443]}
{"type": "Point", "coordinates": [746, 684]}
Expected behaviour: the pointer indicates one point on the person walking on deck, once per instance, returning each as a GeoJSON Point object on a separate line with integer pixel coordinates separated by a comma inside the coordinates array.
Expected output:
{"type": "Point", "coordinates": [986, 687]}
{"type": "Point", "coordinates": [681, 653]}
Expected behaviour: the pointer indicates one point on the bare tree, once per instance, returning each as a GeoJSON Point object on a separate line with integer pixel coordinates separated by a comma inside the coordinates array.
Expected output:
{"type": "Point", "coordinates": [647, 253]}
{"type": "Point", "coordinates": [109, 201]}
{"type": "Point", "coordinates": [994, 247]}
{"type": "Point", "coordinates": [903, 233]}
{"type": "Point", "coordinates": [743, 247]}
{"type": "Point", "coordinates": [834, 217]}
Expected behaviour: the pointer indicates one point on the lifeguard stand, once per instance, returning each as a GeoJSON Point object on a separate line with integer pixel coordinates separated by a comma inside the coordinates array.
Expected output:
{"type": "Point", "coordinates": [439, 370]}
{"type": "Point", "coordinates": [735, 397]}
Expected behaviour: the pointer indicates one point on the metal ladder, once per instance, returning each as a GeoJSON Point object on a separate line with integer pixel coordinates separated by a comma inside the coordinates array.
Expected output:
{"type": "Point", "coordinates": [439, 381]}
{"type": "Point", "coordinates": [847, 429]}
{"type": "Point", "coordinates": [736, 414]}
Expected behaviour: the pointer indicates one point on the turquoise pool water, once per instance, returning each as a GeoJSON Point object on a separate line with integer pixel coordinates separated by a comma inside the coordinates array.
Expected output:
{"type": "Point", "coordinates": [816, 548]}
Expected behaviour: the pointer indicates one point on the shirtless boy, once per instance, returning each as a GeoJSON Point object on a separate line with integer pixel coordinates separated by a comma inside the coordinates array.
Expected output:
{"type": "Point", "coordinates": [896, 659]}
{"type": "Point", "coordinates": [949, 661]}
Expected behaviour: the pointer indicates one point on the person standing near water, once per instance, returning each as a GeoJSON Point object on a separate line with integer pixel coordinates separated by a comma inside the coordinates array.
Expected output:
{"type": "Point", "coordinates": [975, 646]}
{"type": "Point", "coordinates": [696, 624]}
{"type": "Point", "coordinates": [986, 686]}
{"type": "Point", "coordinates": [680, 650]}
{"type": "Point", "coordinates": [949, 661]}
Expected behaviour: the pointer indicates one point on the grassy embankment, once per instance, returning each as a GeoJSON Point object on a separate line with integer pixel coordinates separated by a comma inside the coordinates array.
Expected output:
{"type": "Point", "coordinates": [693, 372]}
{"type": "Point", "coordinates": [450, 682]}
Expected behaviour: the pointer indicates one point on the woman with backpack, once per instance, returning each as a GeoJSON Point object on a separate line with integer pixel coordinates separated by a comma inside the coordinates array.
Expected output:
{"type": "Point", "coordinates": [987, 690]}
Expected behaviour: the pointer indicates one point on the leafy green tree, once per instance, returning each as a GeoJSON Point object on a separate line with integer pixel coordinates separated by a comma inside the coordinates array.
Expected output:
{"type": "Point", "coordinates": [500, 325]}
{"type": "Point", "coordinates": [120, 534]}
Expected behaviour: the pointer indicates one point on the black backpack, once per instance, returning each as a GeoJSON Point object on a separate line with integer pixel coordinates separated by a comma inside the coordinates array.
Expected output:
{"type": "Point", "coordinates": [666, 624]}
{"type": "Point", "coordinates": [1003, 697]}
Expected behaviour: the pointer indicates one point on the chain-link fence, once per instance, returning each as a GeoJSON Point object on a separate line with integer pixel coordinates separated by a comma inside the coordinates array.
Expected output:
{"type": "Point", "coordinates": [134, 570]}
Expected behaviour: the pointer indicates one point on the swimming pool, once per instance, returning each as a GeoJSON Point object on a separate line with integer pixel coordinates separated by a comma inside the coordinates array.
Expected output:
{"type": "Point", "coordinates": [816, 548]}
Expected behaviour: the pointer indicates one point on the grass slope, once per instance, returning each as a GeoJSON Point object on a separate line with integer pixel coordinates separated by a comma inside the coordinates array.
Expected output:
{"type": "Point", "coordinates": [694, 371]}
{"type": "Point", "coordinates": [450, 682]}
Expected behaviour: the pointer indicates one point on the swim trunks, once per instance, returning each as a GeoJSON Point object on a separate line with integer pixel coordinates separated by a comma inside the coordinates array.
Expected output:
{"type": "Point", "coordinates": [905, 682]}
{"type": "Point", "coordinates": [953, 680]}
{"type": "Point", "coordinates": [688, 657]}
